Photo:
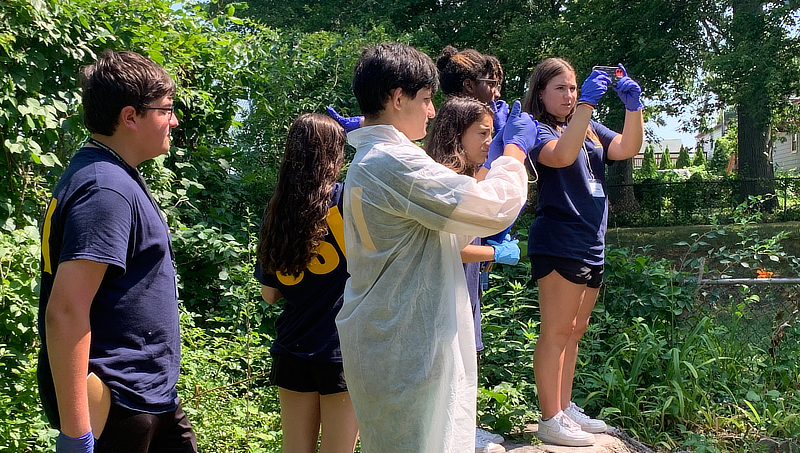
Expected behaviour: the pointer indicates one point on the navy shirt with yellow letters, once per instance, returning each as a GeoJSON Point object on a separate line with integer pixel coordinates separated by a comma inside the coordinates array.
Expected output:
{"type": "Point", "coordinates": [306, 328]}
{"type": "Point", "coordinates": [99, 212]}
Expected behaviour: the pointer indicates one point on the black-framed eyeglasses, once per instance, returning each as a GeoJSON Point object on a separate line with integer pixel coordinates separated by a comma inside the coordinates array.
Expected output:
{"type": "Point", "coordinates": [493, 83]}
{"type": "Point", "coordinates": [170, 110]}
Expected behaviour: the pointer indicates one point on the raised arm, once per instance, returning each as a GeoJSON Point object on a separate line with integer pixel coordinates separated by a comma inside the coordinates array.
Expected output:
{"type": "Point", "coordinates": [563, 151]}
{"type": "Point", "coordinates": [628, 144]}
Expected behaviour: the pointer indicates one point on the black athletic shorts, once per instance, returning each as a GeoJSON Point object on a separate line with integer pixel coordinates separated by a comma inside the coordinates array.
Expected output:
{"type": "Point", "coordinates": [573, 270]}
{"type": "Point", "coordinates": [302, 375]}
{"type": "Point", "coordinates": [128, 431]}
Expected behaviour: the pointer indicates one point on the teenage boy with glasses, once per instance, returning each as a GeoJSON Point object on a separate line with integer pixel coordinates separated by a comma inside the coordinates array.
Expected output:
{"type": "Point", "coordinates": [108, 304]}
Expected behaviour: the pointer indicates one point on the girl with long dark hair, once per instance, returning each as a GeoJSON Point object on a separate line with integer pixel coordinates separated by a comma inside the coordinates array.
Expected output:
{"type": "Point", "coordinates": [301, 259]}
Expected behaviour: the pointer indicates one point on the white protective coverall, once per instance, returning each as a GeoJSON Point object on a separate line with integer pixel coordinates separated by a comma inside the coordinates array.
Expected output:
{"type": "Point", "coordinates": [406, 326]}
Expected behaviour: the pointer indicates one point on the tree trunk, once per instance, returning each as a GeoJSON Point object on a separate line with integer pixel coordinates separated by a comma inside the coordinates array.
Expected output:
{"type": "Point", "coordinates": [621, 198]}
{"type": "Point", "coordinates": [755, 157]}
{"type": "Point", "coordinates": [619, 177]}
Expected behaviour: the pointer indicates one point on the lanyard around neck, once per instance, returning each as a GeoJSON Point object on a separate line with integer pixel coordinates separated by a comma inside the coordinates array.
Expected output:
{"type": "Point", "coordinates": [588, 162]}
{"type": "Point", "coordinates": [143, 184]}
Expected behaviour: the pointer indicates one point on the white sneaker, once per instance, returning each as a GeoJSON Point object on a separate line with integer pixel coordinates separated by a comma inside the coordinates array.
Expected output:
{"type": "Point", "coordinates": [491, 437]}
{"type": "Point", "coordinates": [484, 445]}
{"type": "Point", "coordinates": [561, 430]}
{"type": "Point", "coordinates": [588, 424]}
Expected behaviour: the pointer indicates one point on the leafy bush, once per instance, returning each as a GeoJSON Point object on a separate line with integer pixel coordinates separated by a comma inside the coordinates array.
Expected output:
{"type": "Point", "coordinates": [639, 286]}
{"type": "Point", "coordinates": [21, 426]}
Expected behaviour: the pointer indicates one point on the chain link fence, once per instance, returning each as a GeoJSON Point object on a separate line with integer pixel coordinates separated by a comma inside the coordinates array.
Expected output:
{"type": "Point", "coordinates": [692, 202]}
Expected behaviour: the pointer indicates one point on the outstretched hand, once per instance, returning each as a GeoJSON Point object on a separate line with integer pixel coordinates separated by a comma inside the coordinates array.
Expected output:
{"type": "Point", "coordinates": [521, 129]}
{"type": "Point", "coordinates": [495, 149]}
{"type": "Point", "coordinates": [500, 110]}
{"type": "Point", "coordinates": [594, 87]}
{"type": "Point", "coordinates": [506, 252]}
{"type": "Point", "coordinates": [629, 92]}
{"type": "Point", "coordinates": [349, 123]}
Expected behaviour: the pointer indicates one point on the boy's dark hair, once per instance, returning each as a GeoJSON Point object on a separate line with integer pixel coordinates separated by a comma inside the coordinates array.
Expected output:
{"type": "Point", "coordinates": [117, 80]}
{"type": "Point", "coordinates": [387, 66]}
{"type": "Point", "coordinates": [456, 67]}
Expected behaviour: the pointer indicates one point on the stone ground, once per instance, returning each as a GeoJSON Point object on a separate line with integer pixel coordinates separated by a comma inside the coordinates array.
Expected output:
{"type": "Point", "coordinates": [606, 443]}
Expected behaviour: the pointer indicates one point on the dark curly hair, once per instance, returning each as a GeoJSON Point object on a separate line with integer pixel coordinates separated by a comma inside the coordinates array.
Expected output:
{"type": "Point", "coordinates": [457, 66]}
{"type": "Point", "coordinates": [493, 69]}
{"type": "Point", "coordinates": [294, 220]}
{"type": "Point", "coordinates": [455, 116]}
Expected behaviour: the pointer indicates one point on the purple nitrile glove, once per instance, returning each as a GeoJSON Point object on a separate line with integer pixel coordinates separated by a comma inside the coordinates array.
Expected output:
{"type": "Point", "coordinates": [521, 129]}
{"type": "Point", "coordinates": [506, 252]}
{"type": "Point", "coordinates": [83, 444]}
{"type": "Point", "coordinates": [495, 149]}
{"type": "Point", "coordinates": [349, 123]}
{"type": "Point", "coordinates": [629, 92]}
{"type": "Point", "coordinates": [594, 87]}
{"type": "Point", "coordinates": [500, 109]}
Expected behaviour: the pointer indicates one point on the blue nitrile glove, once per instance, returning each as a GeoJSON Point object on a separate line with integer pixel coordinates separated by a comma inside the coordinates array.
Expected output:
{"type": "Point", "coordinates": [83, 444]}
{"type": "Point", "coordinates": [521, 129]}
{"type": "Point", "coordinates": [629, 92]}
{"type": "Point", "coordinates": [349, 123]}
{"type": "Point", "coordinates": [495, 150]}
{"type": "Point", "coordinates": [500, 109]}
{"type": "Point", "coordinates": [594, 87]}
{"type": "Point", "coordinates": [506, 252]}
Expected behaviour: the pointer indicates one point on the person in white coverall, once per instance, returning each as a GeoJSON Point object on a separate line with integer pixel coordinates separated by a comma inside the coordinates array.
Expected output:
{"type": "Point", "coordinates": [406, 326]}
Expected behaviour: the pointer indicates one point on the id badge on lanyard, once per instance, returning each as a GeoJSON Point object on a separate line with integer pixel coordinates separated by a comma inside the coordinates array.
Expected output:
{"type": "Point", "coordinates": [595, 185]}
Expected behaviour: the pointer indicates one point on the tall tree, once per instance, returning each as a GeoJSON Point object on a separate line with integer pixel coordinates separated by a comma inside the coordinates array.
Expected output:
{"type": "Point", "coordinates": [699, 159]}
{"type": "Point", "coordinates": [755, 49]}
{"type": "Point", "coordinates": [666, 161]}
{"type": "Point", "coordinates": [683, 158]}
{"type": "Point", "coordinates": [649, 168]}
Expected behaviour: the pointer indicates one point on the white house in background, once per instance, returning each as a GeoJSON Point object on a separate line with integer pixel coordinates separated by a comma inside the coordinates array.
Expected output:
{"type": "Point", "coordinates": [674, 145]}
{"type": "Point", "coordinates": [783, 150]}
{"type": "Point", "coordinates": [707, 140]}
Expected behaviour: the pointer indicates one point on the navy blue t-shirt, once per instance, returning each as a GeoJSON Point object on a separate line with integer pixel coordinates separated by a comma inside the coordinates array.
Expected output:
{"type": "Point", "coordinates": [307, 327]}
{"type": "Point", "coordinates": [99, 212]}
{"type": "Point", "coordinates": [570, 222]}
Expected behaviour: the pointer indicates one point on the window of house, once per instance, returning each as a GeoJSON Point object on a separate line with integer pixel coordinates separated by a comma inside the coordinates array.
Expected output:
{"type": "Point", "coordinates": [794, 142]}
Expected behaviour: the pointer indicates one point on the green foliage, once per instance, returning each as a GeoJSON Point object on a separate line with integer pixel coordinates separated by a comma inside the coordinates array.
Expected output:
{"type": "Point", "coordinates": [649, 169]}
{"type": "Point", "coordinates": [224, 384]}
{"type": "Point", "coordinates": [20, 428]}
{"type": "Point", "coordinates": [683, 158]}
{"type": "Point", "coordinates": [699, 159]}
{"type": "Point", "coordinates": [666, 162]}
{"type": "Point", "coordinates": [639, 286]}
{"type": "Point", "coordinates": [724, 147]}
